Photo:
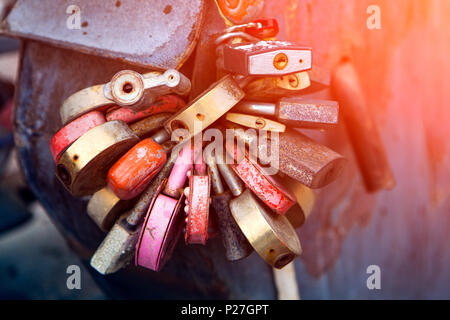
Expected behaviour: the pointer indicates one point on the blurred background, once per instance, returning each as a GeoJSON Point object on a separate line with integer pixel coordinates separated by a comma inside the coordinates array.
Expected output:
{"type": "Point", "coordinates": [405, 75]}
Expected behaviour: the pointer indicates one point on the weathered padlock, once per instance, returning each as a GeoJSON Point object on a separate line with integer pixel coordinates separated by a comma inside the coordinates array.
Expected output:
{"type": "Point", "coordinates": [83, 167]}
{"type": "Point", "coordinates": [126, 89]}
{"type": "Point", "coordinates": [164, 104]}
{"type": "Point", "coordinates": [236, 244]}
{"type": "Point", "coordinates": [163, 224]}
{"type": "Point", "coordinates": [72, 131]}
{"type": "Point", "coordinates": [266, 58]}
{"type": "Point", "coordinates": [105, 207]}
{"type": "Point", "coordinates": [271, 235]}
{"type": "Point", "coordinates": [198, 202]}
{"type": "Point", "coordinates": [266, 187]}
{"type": "Point", "coordinates": [295, 111]}
{"type": "Point", "coordinates": [305, 197]}
{"type": "Point", "coordinates": [256, 122]}
{"type": "Point", "coordinates": [299, 157]}
{"type": "Point", "coordinates": [207, 108]}
{"type": "Point", "coordinates": [132, 173]}
{"type": "Point", "coordinates": [119, 245]}
{"type": "Point", "coordinates": [271, 88]}
{"type": "Point", "coordinates": [143, 128]}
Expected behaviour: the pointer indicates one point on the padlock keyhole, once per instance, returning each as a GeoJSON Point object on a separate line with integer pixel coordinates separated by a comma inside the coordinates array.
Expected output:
{"type": "Point", "coordinates": [63, 174]}
{"type": "Point", "coordinates": [127, 87]}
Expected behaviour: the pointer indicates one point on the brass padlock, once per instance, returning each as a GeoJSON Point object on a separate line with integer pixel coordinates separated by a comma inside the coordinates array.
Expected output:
{"type": "Point", "coordinates": [207, 108]}
{"type": "Point", "coordinates": [236, 244]}
{"type": "Point", "coordinates": [296, 111]}
{"type": "Point", "coordinates": [128, 89]}
{"type": "Point", "coordinates": [270, 88]}
{"type": "Point", "coordinates": [305, 197]}
{"type": "Point", "coordinates": [119, 245]}
{"type": "Point", "coordinates": [266, 58]}
{"type": "Point", "coordinates": [83, 167]}
{"type": "Point", "coordinates": [255, 122]}
{"type": "Point", "coordinates": [271, 235]}
{"type": "Point", "coordinates": [105, 207]}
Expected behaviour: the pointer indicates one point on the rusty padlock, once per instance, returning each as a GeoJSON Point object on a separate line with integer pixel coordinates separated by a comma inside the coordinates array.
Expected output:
{"type": "Point", "coordinates": [295, 111]}
{"type": "Point", "coordinates": [132, 173]}
{"type": "Point", "coordinates": [119, 245]}
{"type": "Point", "coordinates": [236, 244]}
{"type": "Point", "coordinates": [270, 234]}
{"type": "Point", "coordinates": [164, 104]}
{"type": "Point", "coordinates": [256, 122]}
{"type": "Point", "coordinates": [72, 131]}
{"type": "Point", "coordinates": [128, 89]}
{"type": "Point", "coordinates": [163, 224]}
{"type": "Point", "coordinates": [207, 108]}
{"type": "Point", "coordinates": [198, 204]}
{"type": "Point", "coordinates": [143, 128]}
{"type": "Point", "coordinates": [270, 88]}
{"type": "Point", "coordinates": [83, 167]}
{"type": "Point", "coordinates": [299, 157]}
{"type": "Point", "coordinates": [266, 58]}
{"type": "Point", "coordinates": [267, 187]}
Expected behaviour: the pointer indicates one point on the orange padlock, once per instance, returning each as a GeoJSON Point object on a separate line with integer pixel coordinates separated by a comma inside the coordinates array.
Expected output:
{"type": "Point", "coordinates": [131, 174]}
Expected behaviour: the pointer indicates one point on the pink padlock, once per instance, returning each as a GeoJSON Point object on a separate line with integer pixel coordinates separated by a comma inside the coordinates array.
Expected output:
{"type": "Point", "coordinates": [198, 201]}
{"type": "Point", "coordinates": [163, 223]}
{"type": "Point", "coordinates": [160, 231]}
{"type": "Point", "coordinates": [265, 186]}
{"type": "Point", "coordinates": [72, 131]}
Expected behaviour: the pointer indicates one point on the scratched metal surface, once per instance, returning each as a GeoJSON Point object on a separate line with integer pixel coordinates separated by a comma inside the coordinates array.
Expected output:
{"type": "Point", "coordinates": [163, 38]}
{"type": "Point", "coordinates": [404, 70]}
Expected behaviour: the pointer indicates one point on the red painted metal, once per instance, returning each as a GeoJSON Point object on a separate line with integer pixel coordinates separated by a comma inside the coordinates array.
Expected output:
{"type": "Point", "coordinates": [72, 131]}
{"type": "Point", "coordinates": [169, 103]}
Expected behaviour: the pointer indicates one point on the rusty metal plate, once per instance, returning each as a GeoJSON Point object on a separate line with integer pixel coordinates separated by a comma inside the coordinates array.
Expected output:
{"type": "Point", "coordinates": [159, 34]}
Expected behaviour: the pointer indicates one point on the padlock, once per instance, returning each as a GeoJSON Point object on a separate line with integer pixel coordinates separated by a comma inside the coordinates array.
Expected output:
{"type": "Point", "coordinates": [255, 122]}
{"type": "Point", "coordinates": [271, 235]}
{"type": "Point", "coordinates": [163, 224]}
{"type": "Point", "coordinates": [119, 245]}
{"type": "Point", "coordinates": [126, 89]}
{"type": "Point", "coordinates": [236, 244]}
{"type": "Point", "coordinates": [240, 11]}
{"type": "Point", "coordinates": [296, 111]}
{"type": "Point", "coordinates": [83, 167]}
{"type": "Point", "coordinates": [299, 157]}
{"type": "Point", "coordinates": [132, 173]}
{"type": "Point", "coordinates": [271, 88]}
{"type": "Point", "coordinates": [143, 128]}
{"type": "Point", "coordinates": [305, 197]}
{"type": "Point", "coordinates": [266, 58]}
{"type": "Point", "coordinates": [198, 202]}
{"type": "Point", "coordinates": [164, 104]}
{"type": "Point", "coordinates": [105, 207]}
{"type": "Point", "coordinates": [72, 131]}
{"type": "Point", "coordinates": [207, 108]}
{"type": "Point", "coordinates": [267, 187]}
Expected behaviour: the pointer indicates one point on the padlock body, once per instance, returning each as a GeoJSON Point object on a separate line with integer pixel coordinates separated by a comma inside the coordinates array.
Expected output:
{"type": "Point", "coordinates": [132, 173]}
{"type": "Point", "coordinates": [72, 131]}
{"type": "Point", "coordinates": [198, 216]}
{"type": "Point", "coordinates": [266, 58]}
{"type": "Point", "coordinates": [164, 104]}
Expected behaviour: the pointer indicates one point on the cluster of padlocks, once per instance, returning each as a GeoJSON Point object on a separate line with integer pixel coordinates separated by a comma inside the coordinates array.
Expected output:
{"type": "Point", "coordinates": [130, 144]}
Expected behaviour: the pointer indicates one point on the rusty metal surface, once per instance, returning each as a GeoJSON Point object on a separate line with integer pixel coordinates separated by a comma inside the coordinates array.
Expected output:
{"type": "Point", "coordinates": [158, 34]}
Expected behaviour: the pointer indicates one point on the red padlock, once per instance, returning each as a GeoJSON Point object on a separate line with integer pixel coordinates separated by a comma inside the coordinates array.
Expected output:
{"type": "Point", "coordinates": [198, 201]}
{"type": "Point", "coordinates": [72, 131]}
{"type": "Point", "coordinates": [169, 103]}
{"type": "Point", "coordinates": [131, 174]}
{"type": "Point", "coordinates": [265, 186]}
